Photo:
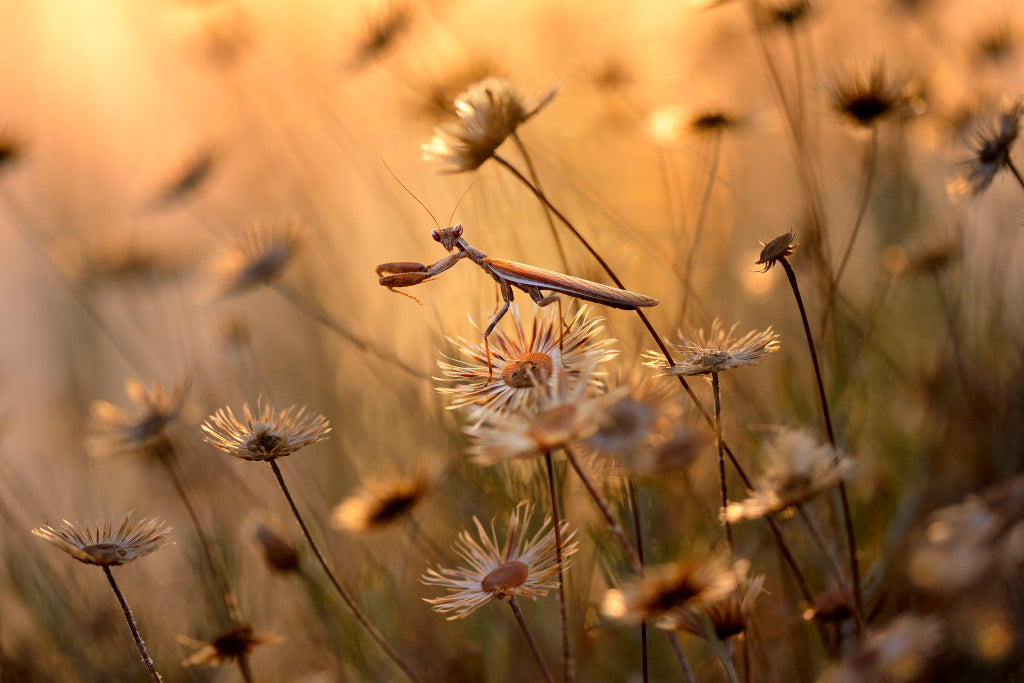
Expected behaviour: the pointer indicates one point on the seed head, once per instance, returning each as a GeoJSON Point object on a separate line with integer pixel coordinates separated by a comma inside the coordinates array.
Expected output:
{"type": "Point", "coordinates": [110, 544]}
{"type": "Point", "coordinates": [864, 99]}
{"type": "Point", "coordinates": [117, 431]}
{"type": "Point", "coordinates": [227, 647]}
{"type": "Point", "coordinates": [991, 147]}
{"type": "Point", "coordinates": [382, 31]}
{"type": "Point", "coordinates": [779, 248]}
{"type": "Point", "coordinates": [715, 352]}
{"type": "Point", "coordinates": [384, 501]}
{"type": "Point", "coordinates": [519, 566]}
{"type": "Point", "coordinates": [728, 615]}
{"type": "Point", "coordinates": [188, 178]}
{"type": "Point", "coordinates": [488, 113]}
{"type": "Point", "coordinates": [259, 259]}
{"type": "Point", "coordinates": [267, 435]}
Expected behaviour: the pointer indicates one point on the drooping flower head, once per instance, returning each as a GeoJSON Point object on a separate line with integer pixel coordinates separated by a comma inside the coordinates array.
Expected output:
{"type": "Point", "coordinates": [779, 248]}
{"type": "Point", "coordinates": [522, 566]}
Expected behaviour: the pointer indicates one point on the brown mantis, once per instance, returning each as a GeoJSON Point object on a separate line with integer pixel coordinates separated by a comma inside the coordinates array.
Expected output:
{"type": "Point", "coordinates": [508, 274]}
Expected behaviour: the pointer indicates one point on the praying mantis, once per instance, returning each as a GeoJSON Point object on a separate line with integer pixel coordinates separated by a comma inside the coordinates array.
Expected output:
{"type": "Point", "coordinates": [508, 274]}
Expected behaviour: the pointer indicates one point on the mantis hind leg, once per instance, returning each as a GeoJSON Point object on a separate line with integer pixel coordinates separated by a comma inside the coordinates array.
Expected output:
{"type": "Point", "coordinates": [506, 295]}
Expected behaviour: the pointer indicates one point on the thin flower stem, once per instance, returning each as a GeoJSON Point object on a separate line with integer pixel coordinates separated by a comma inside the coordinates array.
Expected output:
{"type": "Point", "coordinates": [776, 532]}
{"type": "Point", "coordinates": [634, 503]}
{"type": "Point", "coordinates": [720, 649]}
{"type": "Point", "coordinates": [314, 311]}
{"type": "Point", "coordinates": [132, 626]}
{"type": "Point", "coordinates": [870, 164]}
{"type": "Point", "coordinates": [419, 536]}
{"type": "Point", "coordinates": [606, 510]}
{"type": "Point", "coordinates": [547, 211]}
{"type": "Point", "coordinates": [350, 602]}
{"type": "Point", "coordinates": [702, 213]}
{"type": "Point", "coordinates": [716, 390]}
{"type": "Point", "coordinates": [673, 637]}
{"type": "Point", "coordinates": [851, 540]}
{"type": "Point", "coordinates": [567, 673]}
{"type": "Point", "coordinates": [168, 456]}
{"type": "Point", "coordinates": [529, 639]}
{"type": "Point", "coordinates": [830, 558]}
{"type": "Point", "coordinates": [1016, 173]}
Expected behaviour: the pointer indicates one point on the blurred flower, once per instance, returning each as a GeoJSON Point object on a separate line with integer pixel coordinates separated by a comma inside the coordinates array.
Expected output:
{"type": "Point", "coordinates": [997, 42]}
{"type": "Point", "coordinates": [259, 259]}
{"type": "Point", "coordinates": [119, 255]}
{"type": "Point", "coordinates": [934, 256]}
{"type": "Point", "coordinates": [195, 171]}
{"type": "Point", "coordinates": [227, 647]}
{"type": "Point", "coordinates": [564, 416]}
{"type": "Point", "coordinates": [714, 120]}
{"type": "Point", "coordinates": [270, 540]}
{"type": "Point", "coordinates": [668, 124]}
{"type": "Point", "coordinates": [381, 32]}
{"type": "Point", "coordinates": [12, 148]}
{"type": "Point", "coordinates": [991, 152]}
{"type": "Point", "coordinates": [728, 615]}
{"type": "Point", "coordinates": [116, 431]}
{"type": "Point", "coordinates": [519, 567]}
{"type": "Point", "coordinates": [865, 98]}
{"type": "Point", "coordinates": [788, 13]}
{"type": "Point", "coordinates": [269, 435]}
{"type": "Point", "coordinates": [715, 352]}
{"type": "Point", "coordinates": [663, 592]}
{"type": "Point", "coordinates": [831, 605]}
{"type": "Point", "coordinates": [516, 356]}
{"type": "Point", "coordinates": [383, 501]}
{"type": "Point", "coordinates": [899, 653]}
{"type": "Point", "coordinates": [779, 248]}
{"type": "Point", "coordinates": [438, 101]}
{"type": "Point", "coordinates": [107, 545]}
{"type": "Point", "coordinates": [799, 469]}
{"type": "Point", "coordinates": [488, 112]}
{"type": "Point", "coordinates": [965, 543]}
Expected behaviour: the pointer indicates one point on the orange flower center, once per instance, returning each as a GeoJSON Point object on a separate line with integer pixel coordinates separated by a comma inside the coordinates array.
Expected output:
{"type": "Point", "coordinates": [517, 372]}
{"type": "Point", "coordinates": [506, 577]}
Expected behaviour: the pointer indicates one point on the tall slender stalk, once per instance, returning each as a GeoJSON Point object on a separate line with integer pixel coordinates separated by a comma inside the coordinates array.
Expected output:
{"type": "Point", "coordinates": [563, 616]}
{"type": "Point", "coordinates": [132, 626]}
{"type": "Point", "coordinates": [716, 390]}
{"type": "Point", "coordinates": [350, 602]}
{"type": "Point", "coordinates": [547, 212]}
{"type": "Point", "coordinates": [634, 503]}
{"type": "Point", "coordinates": [514, 604]}
{"type": "Point", "coordinates": [702, 213]}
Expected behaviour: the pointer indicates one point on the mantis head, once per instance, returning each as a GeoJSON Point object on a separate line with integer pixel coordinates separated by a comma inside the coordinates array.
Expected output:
{"type": "Point", "coordinates": [448, 237]}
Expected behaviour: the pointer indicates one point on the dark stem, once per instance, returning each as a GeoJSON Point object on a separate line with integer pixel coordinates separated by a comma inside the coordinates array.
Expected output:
{"type": "Point", "coordinates": [562, 610]}
{"type": "Point", "coordinates": [869, 176]}
{"type": "Point", "coordinates": [673, 637]}
{"type": "Point", "coordinates": [132, 626]}
{"type": "Point", "coordinates": [547, 211]}
{"type": "Point", "coordinates": [350, 602]}
{"type": "Point", "coordinates": [830, 558]}
{"type": "Point", "coordinates": [318, 314]}
{"type": "Point", "coordinates": [634, 500]}
{"type": "Point", "coordinates": [851, 539]}
{"type": "Point", "coordinates": [1016, 174]}
{"type": "Point", "coordinates": [605, 509]}
{"type": "Point", "coordinates": [716, 390]}
{"type": "Point", "coordinates": [169, 457]}
{"type": "Point", "coordinates": [529, 639]}
{"type": "Point", "coordinates": [418, 535]}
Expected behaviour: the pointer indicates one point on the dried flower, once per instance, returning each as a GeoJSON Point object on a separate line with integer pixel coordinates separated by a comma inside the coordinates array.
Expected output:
{"type": "Point", "coordinates": [227, 647]}
{"type": "Point", "coordinates": [384, 501]}
{"type": "Point", "coordinates": [12, 148]}
{"type": "Point", "coordinates": [110, 544]}
{"type": "Point", "coordinates": [786, 13]}
{"type": "Point", "coordinates": [270, 435]}
{"type": "Point", "coordinates": [991, 152]}
{"type": "Point", "coordinates": [119, 256]}
{"type": "Point", "coordinates": [715, 120]}
{"type": "Point", "coordinates": [488, 112]}
{"type": "Point", "coordinates": [270, 540]}
{"type": "Point", "coordinates": [259, 259]}
{"type": "Point", "coordinates": [516, 355]}
{"type": "Point", "coordinates": [779, 248]}
{"type": "Point", "coordinates": [728, 615]}
{"type": "Point", "coordinates": [965, 543]}
{"type": "Point", "coordinates": [800, 468]}
{"type": "Point", "coordinates": [191, 175]}
{"type": "Point", "coordinates": [519, 567]}
{"type": "Point", "coordinates": [116, 431]}
{"type": "Point", "coordinates": [899, 653]}
{"type": "Point", "coordinates": [564, 416]}
{"type": "Point", "coordinates": [865, 99]}
{"type": "Point", "coordinates": [381, 32]}
{"type": "Point", "coordinates": [663, 592]}
{"type": "Point", "coordinates": [715, 352]}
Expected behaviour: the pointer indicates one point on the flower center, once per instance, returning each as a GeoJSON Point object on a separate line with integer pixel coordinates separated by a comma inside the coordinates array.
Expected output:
{"type": "Point", "coordinates": [506, 577]}
{"type": "Point", "coordinates": [264, 442]}
{"type": "Point", "coordinates": [712, 361]}
{"type": "Point", "coordinates": [516, 373]}
{"type": "Point", "coordinates": [105, 553]}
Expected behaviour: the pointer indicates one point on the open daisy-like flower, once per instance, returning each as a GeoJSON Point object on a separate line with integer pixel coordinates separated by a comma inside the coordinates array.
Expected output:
{"type": "Point", "coordinates": [268, 435]}
{"type": "Point", "coordinates": [801, 468]}
{"type": "Point", "coordinates": [728, 615]}
{"type": "Point", "coordinates": [521, 566]}
{"type": "Point", "coordinates": [714, 352]}
{"type": "Point", "coordinates": [109, 544]}
{"type": "Point", "coordinates": [259, 259]}
{"type": "Point", "coordinates": [991, 146]}
{"type": "Point", "coordinates": [116, 430]}
{"type": "Point", "coordinates": [518, 354]}
{"type": "Point", "coordinates": [227, 647]}
{"type": "Point", "coordinates": [488, 112]}
{"type": "Point", "coordinates": [564, 415]}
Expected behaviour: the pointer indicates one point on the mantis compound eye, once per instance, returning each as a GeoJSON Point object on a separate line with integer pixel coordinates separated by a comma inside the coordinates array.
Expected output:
{"type": "Point", "coordinates": [436, 234]}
